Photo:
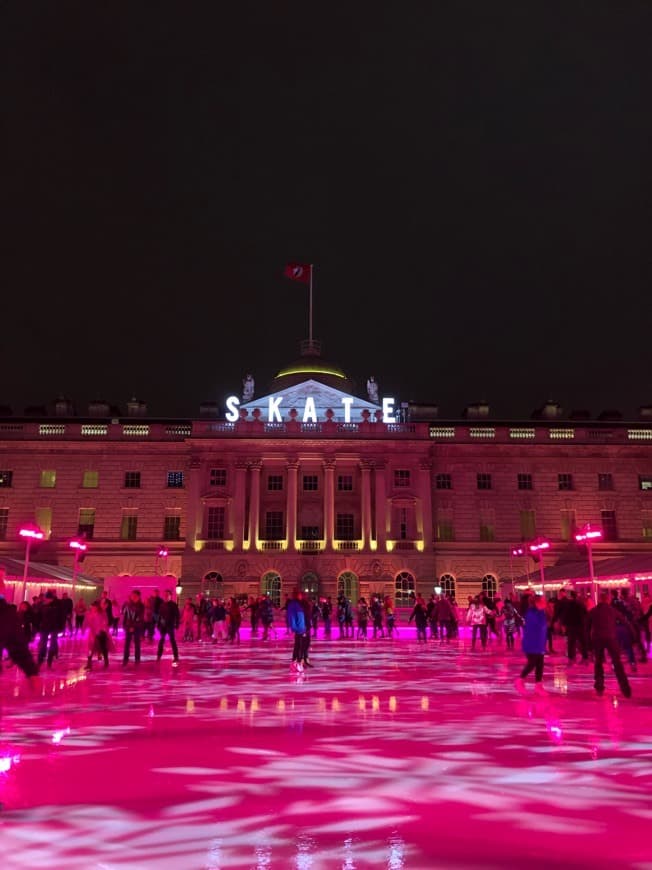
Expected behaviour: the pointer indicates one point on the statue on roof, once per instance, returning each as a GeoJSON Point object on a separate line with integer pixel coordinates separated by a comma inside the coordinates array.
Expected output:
{"type": "Point", "coordinates": [372, 390]}
{"type": "Point", "coordinates": [247, 388]}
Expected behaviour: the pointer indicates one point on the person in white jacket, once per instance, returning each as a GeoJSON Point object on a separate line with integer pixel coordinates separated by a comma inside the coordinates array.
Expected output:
{"type": "Point", "coordinates": [476, 617]}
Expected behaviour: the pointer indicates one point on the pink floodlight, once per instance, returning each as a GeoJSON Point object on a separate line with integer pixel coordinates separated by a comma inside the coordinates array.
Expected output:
{"type": "Point", "coordinates": [518, 551]}
{"type": "Point", "coordinates": [32, 533]}
{"type": "Point", "coordinates": [540, 545]}
{"type": "Point", "coordinates": [76, 544]}
{"type": "Point", "coordinates": [588, 535]}
{"type": "Point", "coordinates": [163, 553]}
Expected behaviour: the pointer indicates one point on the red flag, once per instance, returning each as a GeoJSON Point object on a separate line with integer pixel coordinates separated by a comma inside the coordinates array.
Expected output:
{"type": "Point", "coordinates": [298, 272]}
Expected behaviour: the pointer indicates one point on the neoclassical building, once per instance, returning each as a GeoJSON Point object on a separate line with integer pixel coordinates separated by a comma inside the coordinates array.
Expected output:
{"type": "Point", "coordinates": [308, 483]}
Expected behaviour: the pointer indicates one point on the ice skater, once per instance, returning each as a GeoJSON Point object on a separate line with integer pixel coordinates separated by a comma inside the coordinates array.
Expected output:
{"type": "Point", "coordinates": [535, 637]}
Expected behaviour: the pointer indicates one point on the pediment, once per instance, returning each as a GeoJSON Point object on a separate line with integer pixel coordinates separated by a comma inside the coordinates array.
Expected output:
{"type": "Point", "coordinates": [324, 397]}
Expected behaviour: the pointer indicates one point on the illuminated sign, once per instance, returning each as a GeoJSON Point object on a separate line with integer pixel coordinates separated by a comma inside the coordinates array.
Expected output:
{"type": "Point", "coordinates": [309, 409]}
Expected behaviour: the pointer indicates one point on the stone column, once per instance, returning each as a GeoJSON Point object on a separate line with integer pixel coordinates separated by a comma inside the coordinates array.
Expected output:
{"type": "Point", "coordinates": [255, 467]}
{"type": "Point", "coordinates": [424, 509]}
{"type": "Point", "coordinates": [194, 505]}
{"type": "Point", "coordinates": [365, 506]}
{"type": "Point", "coordinates": [329, 502]}
{"type": "Point", "coordinates": [291, 505]}
{"type": "Point", "coordinates": [381, 507]}
{"type": "Point", "coordinates": [239, 505]}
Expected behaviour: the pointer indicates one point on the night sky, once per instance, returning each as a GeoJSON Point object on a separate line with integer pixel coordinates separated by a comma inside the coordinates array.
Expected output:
{"type": "Point", "coordinates": [471, 179]}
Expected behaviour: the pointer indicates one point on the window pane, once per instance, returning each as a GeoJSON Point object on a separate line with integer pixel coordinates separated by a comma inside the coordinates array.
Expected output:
{"type": "Point", "coordinates": [43, 517]}
{"type": "Point", "coordinates": [344, 530]}
{"type": "Point", "coordinates": [4, 523]}
{"type": "Point", "coordinates": [401, 477]}
{"type": "Point", "coordinates": [274, 530]}
{"type": "Point", "coordinates": [132, 479]}
{"type": "Point", "coordinates": [175, 479]}
{"type": "Point", "coordinates": [48, 479]}
{"type": "Point", "coordinates": [609, 527]}
{"type": "Point", "coordinates": [215, 523]}
{"type": "Point", "coordinates": [345, 483]}
{"type": "Point", "coordinates": [6, 478]}
{"type": "Point", "coordinates": [91, 479]}
{"type": "Point", "coordinates": [172, 527]}
{"type": "Point", "coordinates": [128, 527]}
{"type": "Point", "coordinates": [218, 476]}
{"type": "Point", "coordinates": [528, 525]}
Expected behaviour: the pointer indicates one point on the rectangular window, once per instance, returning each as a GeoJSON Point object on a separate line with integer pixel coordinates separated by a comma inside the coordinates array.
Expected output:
{"type": "Point", "coordinates": [528, 524]}
{"type": "Point", "coordinates": [4, 523]}
{"type": "Point", "coordinates": [444, 481]}
{"type": "Point", "coordinates": [132, 481]}
{"type": "Point", "coordinates": [275, 483]}
{"type": "Point", "coordinates": [487, 532]}
{"type": "Point", "coordinates": [402, 524]}
{"type": "Point", "coordinates": [568, 525]}
{"type": "Point", "coordinates": [91, 479]}
{"type": "Point", "coordinates": [401, 477]}
{"type": "Point", "coordinates": [484, 481]}
{"type": "Point", "coordinates": [172, 527]}
{"type": "Point", "coordinates": [128, 525]}
{"type": "Point", "coordinates": [605, 482]}
{"type": "Point", "coordinates": [344, 527]}
{"type": "Point", "coordinates": [215, 523]}
{"type": "Point", "coordinates": [274, 530]}
{"type": "Point", "coordinates": [86, 522]}
{"type": "Point", "coordinates": [310, 533]}
{"type": "Point", "coordinates": [48, 479]}
{"type": "Point", "coordinates": [524, 481]}
{"type": "Point", "coordinates": [310, 483]}
{"type": "Point", "coordinates": [175, 480]}
{"type": "Point", "coordinates": [218, 476]}
{"type": "Point", "coordinates": [565, 482]}
{"type": "Point", "coordinates": [644, 482]}
{"type": "Point", "coordinates": [43, 517]}
{"type": "Point", "coordinates": [646, 525]}
{"type": "Point", "coordinates": [445, 531]}
{"type": "Point", "coordinates": [609, 527]}
{"type": "Point", "coordinates": [345, 483]}
{"type": "Point", "coordinates": [5, 478]}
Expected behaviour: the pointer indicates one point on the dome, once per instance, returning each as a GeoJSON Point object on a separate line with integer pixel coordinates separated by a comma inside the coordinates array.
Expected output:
{"type": "Point", "coordinates": [311, 366]}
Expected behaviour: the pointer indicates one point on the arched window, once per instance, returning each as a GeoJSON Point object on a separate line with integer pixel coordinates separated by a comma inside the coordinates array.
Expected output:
{"type": "Point", "coordinates": [271, 585]}
{"type": "Point", "coordinates": [347, 585]}
{"type": "Point", "coordinates": [310, 584]}
{"type": "Point", "coordinates": [405, 589]}
{"type": "Point", "coordinates": [489, 586]}
{"type": "Point", "coordinates": [212, 584]}
{"type": "Point", "coordinates": [447, 583]}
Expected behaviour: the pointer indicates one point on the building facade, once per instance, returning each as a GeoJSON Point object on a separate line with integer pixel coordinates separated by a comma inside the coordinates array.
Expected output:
{"type": "Point", "coordinates": [311, 485]}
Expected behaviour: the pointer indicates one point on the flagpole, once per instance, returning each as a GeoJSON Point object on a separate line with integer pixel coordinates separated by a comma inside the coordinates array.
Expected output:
{"type": "Point", "coordinates": [310, 315]}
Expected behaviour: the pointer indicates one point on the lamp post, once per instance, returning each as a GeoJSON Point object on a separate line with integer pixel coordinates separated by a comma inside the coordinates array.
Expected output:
{"type": "Point", "coordinates": [79, 547]}
{"type": "Point", "coordinates": [162, 554]}
{"type": "Point", "coordinates": [537, 547]}
{"type": "Point", "coordinates": [29, 532]}
{"type": "Point", "coordinates": [589, 536]}
{"type": "Point", "coordinates": [516, 551]}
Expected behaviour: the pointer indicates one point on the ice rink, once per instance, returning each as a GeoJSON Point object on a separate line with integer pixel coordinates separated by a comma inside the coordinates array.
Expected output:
{"type": "Point", "coordinates": [386, 754]}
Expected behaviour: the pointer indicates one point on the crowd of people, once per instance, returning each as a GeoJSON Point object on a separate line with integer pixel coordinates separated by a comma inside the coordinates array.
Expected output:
{"type": "Point", "coordinates": [619, 624]}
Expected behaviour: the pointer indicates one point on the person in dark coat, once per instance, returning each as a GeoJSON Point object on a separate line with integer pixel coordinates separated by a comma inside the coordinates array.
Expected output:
{"type": "Point", "coordinates": [603, 632]}
{"type": "Point", "coordinates": [133, 620]}
{"type": "Point", "coordinates": [13, 640]}
{"type": "Point", "coordinates": [168, 622]}
{"type": "Point", "coordinates": [52, 622]}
